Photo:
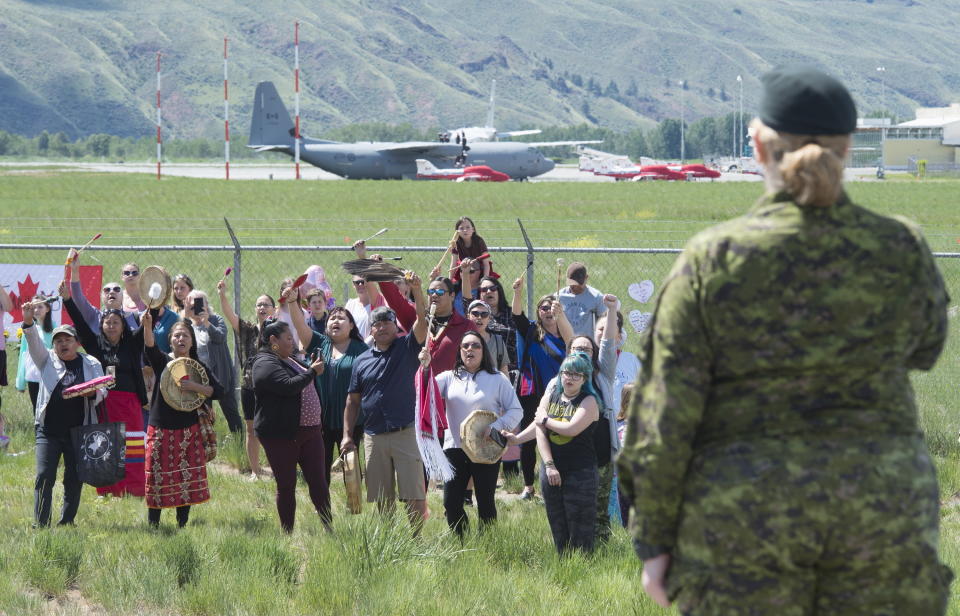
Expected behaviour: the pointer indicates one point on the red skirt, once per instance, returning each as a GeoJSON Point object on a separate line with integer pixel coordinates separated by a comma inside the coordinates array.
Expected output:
{"type": "Point", "coordinates": [125, 406]}
{"type": "Point", "coordinates": [176, 470]}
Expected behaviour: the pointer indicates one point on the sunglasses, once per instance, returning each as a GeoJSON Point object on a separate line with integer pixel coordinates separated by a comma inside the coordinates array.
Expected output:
{"type": "Point", "coordinates": [359, 283]}
{"type": "Point", "coordinates": [470, 345]}
{"type": "Point", "coordinates": [109, 289]}
{"type": "Point", "coordinates": [437, 292]}
{"type": "Point", "coordinates": [479, 314]}
{"type": "Point", "coordinates": [131, 273]}
{"type": "Point", "coordinates": [487, 289]}
{"type": "Point", "coordinates": [544, 308]}
{"type": "Point", "coordinates": [586, 350]}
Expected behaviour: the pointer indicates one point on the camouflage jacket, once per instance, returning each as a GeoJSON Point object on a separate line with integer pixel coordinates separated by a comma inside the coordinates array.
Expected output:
{"type": "Point", "coordinates": [786, 321]}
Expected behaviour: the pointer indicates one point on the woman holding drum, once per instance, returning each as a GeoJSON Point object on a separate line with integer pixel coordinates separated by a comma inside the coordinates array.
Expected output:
{"type": "Point", "coordinates": [176, 466]}
{"type": "Point", "coordinates": [474, 384]}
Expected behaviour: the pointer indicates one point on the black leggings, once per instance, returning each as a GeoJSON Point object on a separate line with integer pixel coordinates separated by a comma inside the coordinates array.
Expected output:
{"type": "Point", "coordinates": [528, 450]}
{"type": "Point", "coordinates": [183, 515]}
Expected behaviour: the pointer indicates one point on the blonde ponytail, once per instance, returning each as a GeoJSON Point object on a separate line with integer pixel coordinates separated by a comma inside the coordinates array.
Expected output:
{"type": "Point", "coordinates": [809, 167]}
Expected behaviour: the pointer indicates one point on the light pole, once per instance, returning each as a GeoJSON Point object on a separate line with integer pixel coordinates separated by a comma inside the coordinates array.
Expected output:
{"type": "Point", "coordinates": [682, 145]}
{"type": "Point", "coordinates": [740, 120]}
{"type": "Point", "coordinates": [882, 70]}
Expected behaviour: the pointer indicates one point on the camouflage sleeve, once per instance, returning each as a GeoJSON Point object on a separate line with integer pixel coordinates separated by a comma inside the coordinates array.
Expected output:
{"type": "Point", "coordinates": [666, 411]}
{"type": "Point", "coordinates": [933, 321]}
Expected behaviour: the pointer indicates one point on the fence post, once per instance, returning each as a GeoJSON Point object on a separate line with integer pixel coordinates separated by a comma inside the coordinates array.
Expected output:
{"type": "Point", "coordinates": [236, 288]}
{"type": "Point", "coordinates": [526, 240]}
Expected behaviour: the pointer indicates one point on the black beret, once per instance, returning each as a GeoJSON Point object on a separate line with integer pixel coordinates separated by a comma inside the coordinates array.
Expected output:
{"type": "Point", "coordinates": [802, 100]}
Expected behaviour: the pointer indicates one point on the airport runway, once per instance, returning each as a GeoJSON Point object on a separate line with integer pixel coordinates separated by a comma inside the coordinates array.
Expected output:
{"type": "Point", "coordinates": [248, 171]}
{"type": "Point", "coordinates": [562, 173]}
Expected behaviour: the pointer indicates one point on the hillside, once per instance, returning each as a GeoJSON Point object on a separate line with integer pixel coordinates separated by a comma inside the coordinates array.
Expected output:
{"type": "Point", "coordinates": [87, 66]}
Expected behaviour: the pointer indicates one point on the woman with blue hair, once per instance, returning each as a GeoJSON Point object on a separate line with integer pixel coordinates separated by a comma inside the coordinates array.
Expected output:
{"type": "Point", "coordinates": [563, 427]}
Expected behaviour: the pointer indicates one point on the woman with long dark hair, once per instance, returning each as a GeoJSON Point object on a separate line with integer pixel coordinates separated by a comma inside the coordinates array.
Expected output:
{"type": "Point", "coordinates": [288, 420]}
{"type": "Point", "coordinates": [473, 383]}
{"type": "Point", "coordinates": [338, 346]}
{"type": "Point", "coordinates": [120, 352]}
{"type": "Point", "coordinates": [176, 465]}
{"type": "Point", "coordinates": [541, 346]}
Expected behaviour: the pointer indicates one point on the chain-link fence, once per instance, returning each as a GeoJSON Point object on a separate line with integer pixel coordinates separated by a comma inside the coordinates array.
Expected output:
{"type": "Point", "coordinates": [260, 269]}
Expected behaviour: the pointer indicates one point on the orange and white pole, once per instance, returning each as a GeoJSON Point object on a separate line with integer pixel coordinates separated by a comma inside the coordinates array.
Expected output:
{"type": "Point", "coordinates": [296, 96]}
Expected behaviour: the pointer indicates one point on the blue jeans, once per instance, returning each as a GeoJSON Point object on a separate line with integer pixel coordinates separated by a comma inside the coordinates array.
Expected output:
{"type": "Point", "coordinates": [49, 449]}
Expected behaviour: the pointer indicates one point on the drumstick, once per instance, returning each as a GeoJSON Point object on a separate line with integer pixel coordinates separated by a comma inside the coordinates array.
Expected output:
{"type": "Point", "coordinates": [226, 273]}
{"type": "Point", "coordinates": [447, 251]}
{"type": "Point", "coordinates": [378, 233]}
{"type": "Point", "coordinates": [84, 247]}
{"type": "Point", "coordinates": [559, 270]}
{"type": "Point", "coordinates": [485, 255]}
{"type": "Point", "coordinates": [67, 276]}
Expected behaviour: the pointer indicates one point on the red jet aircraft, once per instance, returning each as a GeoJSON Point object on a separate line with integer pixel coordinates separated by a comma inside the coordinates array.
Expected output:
{"type": "Point", "coordinates": [474, 173]}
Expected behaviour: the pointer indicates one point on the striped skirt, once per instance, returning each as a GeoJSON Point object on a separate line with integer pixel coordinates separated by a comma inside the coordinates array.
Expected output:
{"type": "Point", "coordinates": [176, 467]}
{"type": "Point", "coordinates": [125, 406]}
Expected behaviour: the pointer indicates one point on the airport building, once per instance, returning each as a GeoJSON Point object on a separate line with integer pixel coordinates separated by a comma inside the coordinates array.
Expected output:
{"type": "Point", "coordinates": [934, 136]}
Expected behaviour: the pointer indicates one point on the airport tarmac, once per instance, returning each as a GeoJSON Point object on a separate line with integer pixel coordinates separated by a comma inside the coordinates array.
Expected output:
{"type": "Point", "coordinates": [247, 171]}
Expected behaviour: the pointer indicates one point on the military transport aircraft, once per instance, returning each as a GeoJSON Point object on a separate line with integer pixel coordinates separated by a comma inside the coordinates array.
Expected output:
{"type": "Point", "coordinates": [473, 173]}
{"type": "Point", "coordinates": [273, 130]}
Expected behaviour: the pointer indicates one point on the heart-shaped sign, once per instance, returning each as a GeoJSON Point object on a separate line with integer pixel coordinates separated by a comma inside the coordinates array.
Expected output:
{"type": "Point", "coordinates": [640, 320]}
{"type": "Point", "coordinates": [641, 291]}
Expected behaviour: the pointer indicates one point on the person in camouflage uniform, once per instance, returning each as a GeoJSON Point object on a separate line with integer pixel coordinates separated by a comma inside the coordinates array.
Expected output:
{"type": "Point", "coordinates": [773, 454]}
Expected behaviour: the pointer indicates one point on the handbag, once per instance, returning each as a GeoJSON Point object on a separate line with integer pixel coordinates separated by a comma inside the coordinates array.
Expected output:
{"type": "Point", "coordinates": [101, 450]}
{"type": "Point", "coordinates": [207, 433]}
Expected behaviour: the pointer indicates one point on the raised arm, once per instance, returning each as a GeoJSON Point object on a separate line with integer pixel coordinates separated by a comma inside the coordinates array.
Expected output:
{"type": "Point", "coordinates": [608, 341]}
{"type": "Point", "coordinates": [38, 352]}
{"type": "Point", "coordinates": [226, 308]}
{"type": "Point", "coordinates": [420, 326]}
{"type": "Point", "coordinates": [406, 314]}
{"type": "Point", "coordinates": [296, 317]}
{"type": "Point", "coordinates": [88, 313]}
{"type": "Point", "coordinates": [516, 305]}
{"type": "Point", "coordinates": [563, 325]}
{"type": "Point", "coordinates": [88, 339]}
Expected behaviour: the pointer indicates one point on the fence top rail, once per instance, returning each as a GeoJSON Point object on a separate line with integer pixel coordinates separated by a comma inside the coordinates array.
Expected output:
{"type": "Point", "coordinates": [272, 248]}
{"type": "Point", "coordinates": [269, 248]}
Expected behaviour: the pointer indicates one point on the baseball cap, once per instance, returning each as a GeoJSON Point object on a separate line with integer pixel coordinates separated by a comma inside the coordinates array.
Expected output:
{"type": "Point", "coordinates": [577, 273]}
{"type": "Point", "coordinates": [64, 329]}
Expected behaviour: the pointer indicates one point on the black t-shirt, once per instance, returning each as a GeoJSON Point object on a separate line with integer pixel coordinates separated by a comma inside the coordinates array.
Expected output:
{"type": "Point", "coordinates": [61, 415]}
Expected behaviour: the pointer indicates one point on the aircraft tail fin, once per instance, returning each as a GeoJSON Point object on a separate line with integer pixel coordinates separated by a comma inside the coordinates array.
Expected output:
{"type": "Point", "coordinates": [271, 124]}
{"type": "Point", "coordinates": [425, 167]}
{"type": "Point", "coordinates": [493, 98]}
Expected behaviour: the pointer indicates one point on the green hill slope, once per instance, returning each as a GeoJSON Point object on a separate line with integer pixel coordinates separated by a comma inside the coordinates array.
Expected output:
{"type": "Point", "coordinates": [87, 66]}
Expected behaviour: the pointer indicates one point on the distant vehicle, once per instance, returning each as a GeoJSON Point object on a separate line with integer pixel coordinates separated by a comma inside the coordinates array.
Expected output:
{"type": "Point", "coordinates": [473, 173]}
{"type": "Point", "coordinates": [272, 130]}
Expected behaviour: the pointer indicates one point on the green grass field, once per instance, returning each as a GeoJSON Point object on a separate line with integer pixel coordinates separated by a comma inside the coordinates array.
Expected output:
{"type": "Point", "coordinates": [233, 558]}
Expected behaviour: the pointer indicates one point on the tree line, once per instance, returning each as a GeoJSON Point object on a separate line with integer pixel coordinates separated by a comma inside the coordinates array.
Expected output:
{"type": "Point", "coordinates": [704, 138]}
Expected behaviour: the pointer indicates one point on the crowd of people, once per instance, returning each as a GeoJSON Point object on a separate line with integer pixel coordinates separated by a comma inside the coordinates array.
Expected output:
{"type": "Point", "coordinates": [772, 458]}
{"type": "Point", "coordinates": [317, 379]}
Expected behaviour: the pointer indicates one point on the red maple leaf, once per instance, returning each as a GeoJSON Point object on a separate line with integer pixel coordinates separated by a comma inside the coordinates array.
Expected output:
{"type": "Point", "coordinates": [26, 290]}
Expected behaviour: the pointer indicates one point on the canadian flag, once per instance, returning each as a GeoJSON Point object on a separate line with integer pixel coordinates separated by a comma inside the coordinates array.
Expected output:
{"type": "Point", "coordinates": [22, 282]}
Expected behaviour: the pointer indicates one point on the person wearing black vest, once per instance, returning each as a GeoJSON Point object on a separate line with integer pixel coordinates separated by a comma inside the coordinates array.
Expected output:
{"type": "Point", "coordinates": [564, 427]}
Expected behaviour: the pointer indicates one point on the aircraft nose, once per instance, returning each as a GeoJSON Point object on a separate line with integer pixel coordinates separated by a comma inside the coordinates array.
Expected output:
{"type": "Point", "coordinates": [547, 165]}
